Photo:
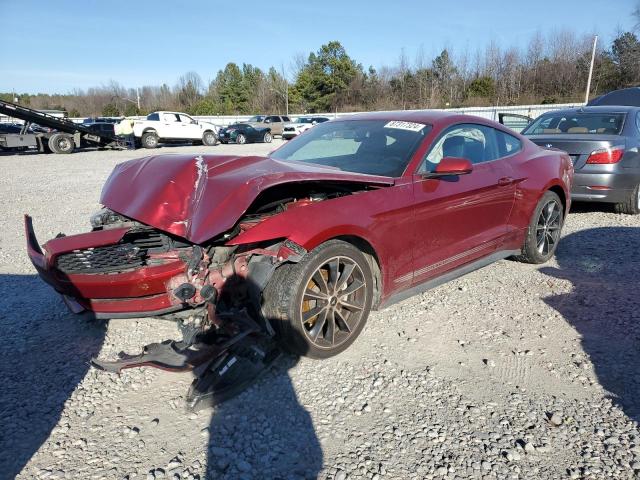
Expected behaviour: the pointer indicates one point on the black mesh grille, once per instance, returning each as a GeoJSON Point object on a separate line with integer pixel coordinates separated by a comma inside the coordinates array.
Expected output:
{"type": "Point", "coordinates": [130, 253]}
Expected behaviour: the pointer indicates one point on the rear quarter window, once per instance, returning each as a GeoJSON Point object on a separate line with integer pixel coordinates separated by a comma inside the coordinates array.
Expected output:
{"type": "Point", "coordinates": [153, 117]}
{"type": "Point", "coordinates": [507, 144]}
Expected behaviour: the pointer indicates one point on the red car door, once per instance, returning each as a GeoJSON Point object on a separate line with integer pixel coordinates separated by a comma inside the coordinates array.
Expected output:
{"type": "Point", "coordinates": [461, 218]}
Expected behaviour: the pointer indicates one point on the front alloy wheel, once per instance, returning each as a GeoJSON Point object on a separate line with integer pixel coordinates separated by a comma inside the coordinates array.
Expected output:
{"type": "Point", "coordinates": [333, 302]}
{"type": "Point", "coordinates": [319, 306]}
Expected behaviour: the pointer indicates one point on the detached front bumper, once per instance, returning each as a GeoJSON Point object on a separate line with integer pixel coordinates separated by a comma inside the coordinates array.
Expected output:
{"type": "Point", "coordinates": [135, 292]}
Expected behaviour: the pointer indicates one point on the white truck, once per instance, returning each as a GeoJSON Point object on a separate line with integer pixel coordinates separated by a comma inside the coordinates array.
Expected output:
{"type": "Point", "coordinates": [173, 127]}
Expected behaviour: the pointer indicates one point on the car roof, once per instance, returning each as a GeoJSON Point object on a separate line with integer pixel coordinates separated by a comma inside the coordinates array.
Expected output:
{"type": "Point", "coordinates": [594, 109]}
{"type": "Point", "coordinates": [436, 118]}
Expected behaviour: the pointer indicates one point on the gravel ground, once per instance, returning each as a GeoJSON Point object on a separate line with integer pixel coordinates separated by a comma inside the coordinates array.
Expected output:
{"type": "Point", "coordinates": [514, 371]}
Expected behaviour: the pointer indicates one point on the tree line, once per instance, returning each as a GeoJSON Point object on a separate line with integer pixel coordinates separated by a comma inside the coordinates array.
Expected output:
{"type": "Point", "coordinates": [551, 68]}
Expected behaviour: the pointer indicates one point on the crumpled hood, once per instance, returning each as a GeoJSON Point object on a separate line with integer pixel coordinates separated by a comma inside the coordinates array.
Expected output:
{"type": "Point", "coordinates": [200, 197]}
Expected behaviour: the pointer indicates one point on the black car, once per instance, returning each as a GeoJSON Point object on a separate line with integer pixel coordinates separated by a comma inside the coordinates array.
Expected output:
{"type": "Point", "coordinates": [242, 133]}
{"type": "Point", "coordinates": [11, 128]}
{"type": "Point", "coordinates": [603, 145]}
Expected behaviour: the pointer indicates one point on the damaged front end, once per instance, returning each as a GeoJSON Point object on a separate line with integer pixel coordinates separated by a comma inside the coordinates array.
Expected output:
{"type": "Point", "coordinates": [181, 249]}
{"type": "Point", "coordinates": [123, 269]}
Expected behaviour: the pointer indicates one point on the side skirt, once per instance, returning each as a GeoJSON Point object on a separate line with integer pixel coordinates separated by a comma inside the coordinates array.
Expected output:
{"type": "Point", "coordinates": [448, 276]}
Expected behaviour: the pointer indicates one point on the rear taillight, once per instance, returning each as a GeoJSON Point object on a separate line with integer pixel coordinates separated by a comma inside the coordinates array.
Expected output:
{"type": "Point", "coordinates": [606, 155]}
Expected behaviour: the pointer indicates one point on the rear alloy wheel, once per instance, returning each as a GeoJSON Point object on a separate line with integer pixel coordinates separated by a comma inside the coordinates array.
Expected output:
{"type": "Point", "coordinates": [544, 230]}
{"type": "Point", "coordinates": [61, 143]}
{"type": "Point", "coordinates": [241, 139]}
{"type": "Point", "coordinates": [209, 139]}
{"type": "Point", "coordinates": [267, 138]}
{"type": "Point", "coordinates": [631, 205]}
{"type": "Point", "coordinates": [319, 305]}
{"type": "Point", "coordinates": [150, 140]}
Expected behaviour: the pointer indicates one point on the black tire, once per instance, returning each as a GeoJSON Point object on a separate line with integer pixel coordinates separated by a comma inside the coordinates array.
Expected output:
{"type": "Point", "coordinates": [267, 137]}
{"type": "Point", "coordinates": [241, 139]}
{"type": "Point", "coordinates": [61, 143]}
{"type": "Point", "coordinates": [631, 206]}
{"type": "Point", "coordinates": [150, 140]}
{"type": "Point", "coordinates": [223, 142]}
{"type": "Point", "coordinates": [209, 139]}
{"type": "Point", "coordinates": [335, 326]}
{"type": "Point", "coordinates": [545, 228]}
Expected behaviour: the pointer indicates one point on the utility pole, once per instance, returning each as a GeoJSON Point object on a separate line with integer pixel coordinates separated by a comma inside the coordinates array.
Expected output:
{"type": "Point", "coordinates": [593, 57]}
{"type": "Point", "coordinates": [138, 98]}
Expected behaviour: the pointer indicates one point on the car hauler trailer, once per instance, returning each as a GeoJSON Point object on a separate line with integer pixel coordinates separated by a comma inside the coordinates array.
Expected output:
{"type": "Point", "coordinates": [65, 137]}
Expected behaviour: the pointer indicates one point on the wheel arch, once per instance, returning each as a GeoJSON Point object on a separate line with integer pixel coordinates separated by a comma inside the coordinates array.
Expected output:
{"type": "Point", "coordinates": [558, 190]}
{"type": "Point", "coordinates": [374, 263]}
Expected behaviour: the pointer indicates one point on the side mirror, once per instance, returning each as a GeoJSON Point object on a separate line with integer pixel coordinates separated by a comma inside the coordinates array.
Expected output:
{"type": "Point", "coordinates": [451, 166]}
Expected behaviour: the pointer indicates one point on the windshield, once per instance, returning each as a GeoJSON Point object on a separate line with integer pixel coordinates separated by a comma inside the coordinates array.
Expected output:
{"type": "Point", "coordinates": [373, 147]}
{"type": "Point", "coordinates": [586, 123]}
{"type": "Point", "coordinates": [303, 120]}
{"type": "Point", "coordinates": [257, 118]}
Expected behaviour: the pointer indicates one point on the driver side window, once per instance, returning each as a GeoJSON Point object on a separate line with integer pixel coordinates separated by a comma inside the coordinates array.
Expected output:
{"type": "Point", "coordinates": [474, 142]}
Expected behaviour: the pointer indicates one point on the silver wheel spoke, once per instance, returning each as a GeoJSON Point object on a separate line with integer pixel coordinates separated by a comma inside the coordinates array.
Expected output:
{"type": "Point", "coordinates": [320, 282]}
{"type": "Point", "coordinates": [330, 335]}
{"type": "Point", "coordinates": [314, 312]}
{"type": "Point", "coordinates": [351, 306]}
{"type": "Point", "coordinates": [354, 287]}
{"type": "Point", "coordinates": [342, 322]}
{"type": "Point", "coordinates": [311, 295]}
{"type": "Point", "coordinates": [346, 273]}
{"type": "Point", "coordinates": [334, 272]}
{"type": "Point", "coordinates": [319, 325]}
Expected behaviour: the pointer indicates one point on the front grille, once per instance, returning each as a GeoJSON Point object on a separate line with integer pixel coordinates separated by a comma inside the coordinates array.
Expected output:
{"type": "Point", "coordinates": [289, 129]}
{"type": "Point", "coordinates": [132, 252]}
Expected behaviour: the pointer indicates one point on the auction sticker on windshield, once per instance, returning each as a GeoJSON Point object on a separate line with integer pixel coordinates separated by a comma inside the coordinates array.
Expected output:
{"type": "Point", "coordinates": [411, 126]}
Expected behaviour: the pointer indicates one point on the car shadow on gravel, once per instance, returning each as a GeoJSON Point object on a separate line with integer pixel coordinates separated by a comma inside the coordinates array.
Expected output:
{"type": "Point", "coordinates": [603, 264]}
{"type": "Point", "coordinates": [591, 207]}
{"type": "Point", "coordinates": [264, 433]}
{"type": "Point", "coordinates": [44, 355]}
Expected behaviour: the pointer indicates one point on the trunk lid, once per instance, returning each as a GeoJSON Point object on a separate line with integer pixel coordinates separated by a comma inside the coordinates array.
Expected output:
{"type": "Point", "coordinates": [579, 147]}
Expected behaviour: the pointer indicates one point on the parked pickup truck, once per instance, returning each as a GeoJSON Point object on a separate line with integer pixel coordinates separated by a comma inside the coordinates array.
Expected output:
{"type": "Point", "coordinates": [274, 122]}
{"type": "Point", "coordinates": [172, 127]}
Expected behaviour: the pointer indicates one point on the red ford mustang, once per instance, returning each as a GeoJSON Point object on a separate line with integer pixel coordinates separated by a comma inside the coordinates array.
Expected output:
{"type": "Point", "coordinates": [353, 215]}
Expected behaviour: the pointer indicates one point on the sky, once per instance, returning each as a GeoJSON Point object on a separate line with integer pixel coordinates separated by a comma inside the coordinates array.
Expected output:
{"type": "Point", "coordinates": [56, 47]}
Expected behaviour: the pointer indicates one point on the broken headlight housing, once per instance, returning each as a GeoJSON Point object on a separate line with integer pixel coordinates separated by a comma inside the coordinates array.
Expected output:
{"type": "Point", "coordinates": [104, 217]}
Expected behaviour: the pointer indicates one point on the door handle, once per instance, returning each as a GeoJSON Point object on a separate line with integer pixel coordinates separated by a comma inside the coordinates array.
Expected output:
{"type": "Point", "coordinates": [505, 181]}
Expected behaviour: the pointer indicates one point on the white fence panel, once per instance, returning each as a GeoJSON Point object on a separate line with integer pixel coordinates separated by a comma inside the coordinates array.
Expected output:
{"type": "Point", "coordinates": [486, 112]}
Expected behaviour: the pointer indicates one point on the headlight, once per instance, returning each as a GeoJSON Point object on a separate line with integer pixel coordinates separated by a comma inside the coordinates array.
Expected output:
{"type": "Point", "coordinates": [104, 216]}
